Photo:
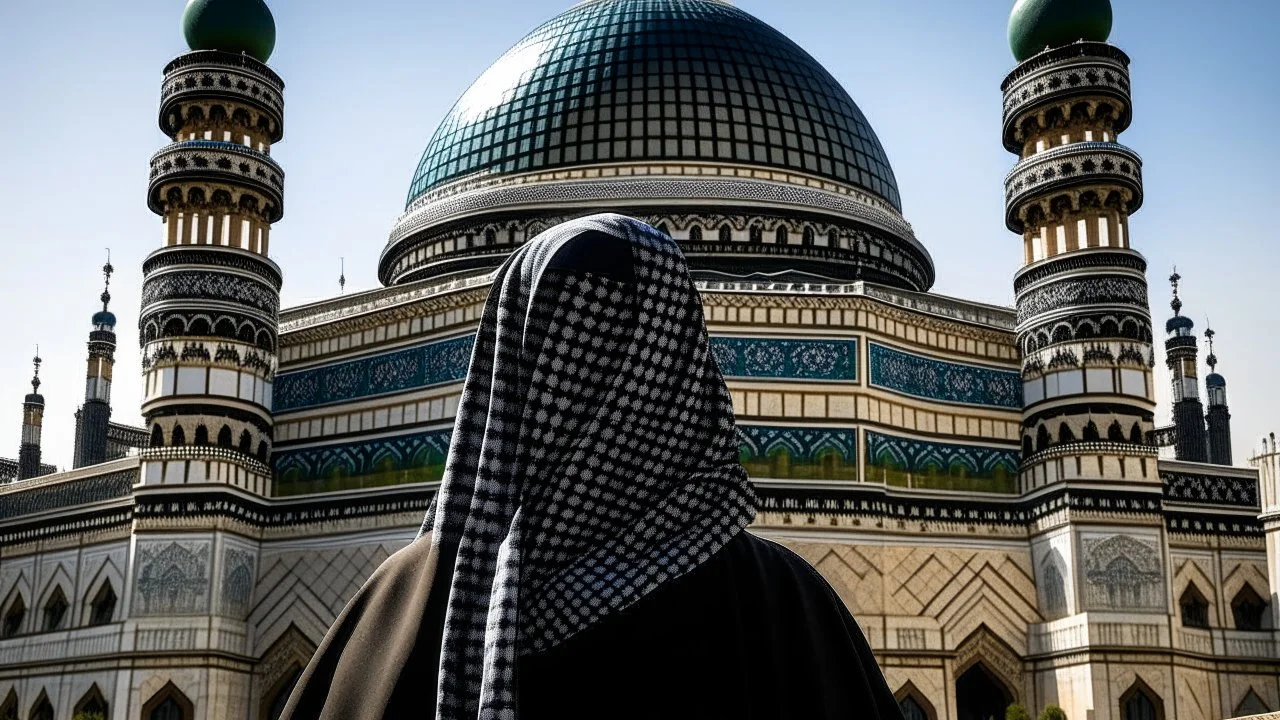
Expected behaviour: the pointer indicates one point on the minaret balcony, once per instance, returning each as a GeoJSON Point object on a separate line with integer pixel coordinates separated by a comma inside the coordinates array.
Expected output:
{"type": "Point", "coordinates": [1070, 166]}
{"type": "Point", "coordinates": [211, 77]}
{"type": "Point", "coordinates": [1060, 76]}
{"type": "Point", "coordinates": [216, 162]}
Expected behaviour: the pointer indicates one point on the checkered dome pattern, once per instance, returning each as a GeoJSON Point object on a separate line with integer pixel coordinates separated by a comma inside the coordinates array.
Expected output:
{"type": "Point", "coordinates": [594, 458]}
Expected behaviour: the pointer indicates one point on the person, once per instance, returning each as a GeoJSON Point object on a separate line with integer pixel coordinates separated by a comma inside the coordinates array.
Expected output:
{"type": "Point", "coordinates": [586, 553]}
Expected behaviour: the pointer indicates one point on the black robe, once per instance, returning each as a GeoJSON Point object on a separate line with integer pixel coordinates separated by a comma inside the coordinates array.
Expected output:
{"type": "Point", "coordinates": [753, 633]}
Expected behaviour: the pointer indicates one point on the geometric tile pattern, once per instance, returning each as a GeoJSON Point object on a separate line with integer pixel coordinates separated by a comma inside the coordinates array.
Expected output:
{"type": "Point", "coordinates": [924, 377]}
{"type": "Point", "coordinates": [445, 361]}
{"type": "Point", "coordinates": [393, 460]}
{"type": "Point", "coordinates": [789, 359]}
{"type": "Point", "coordinates": [1209, 488]}
{"type": "Point", "coordinates": [910, 462]}
{"type": "Point", "coordinates": [309, 587]}
{"type": "Point", "coordinates": [809, 453]}
{"type": "Point", "coordinates": [416, 367]}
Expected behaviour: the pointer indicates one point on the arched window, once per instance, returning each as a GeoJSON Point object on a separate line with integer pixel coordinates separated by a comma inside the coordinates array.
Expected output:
{"type": "Point", "coordinates": [1091, 432]}
{"type": "Point", "coordinates": [1065, 434]}
{"type": "Point", "coordinates": [911, 709]}
{"type": "Point", "coordinates": [13, 617]}
{"type": "Point", "coordinates": [1027, 447]}
{"type": "Point", "coordinates": [695, 233]}
{"type": "Point", "coordinates": [202, 435]}
{"type": "Point", "coordinates": [55, 611]}
{"type": "Point", "coordinates": [179, 436]}
{"type": "Point", "coordinates": [1248, 609]}
{"type": "Point", "coordinates": [279, 695]}
{"type": "Point", "coordinates": [43, 709]}
{"type": "Point", "coordinates": [726, 234]}
{"type": "Point", "coordinates": [262, 452]}
{"type": "Point", "coordinates": [168, 704]}
{"type": "Point", "coordinates": [92, 706]}
{"type": "Point", "coordinates": [1055, 591]}
{"type": "Point", "coordinates": [757, 234]}
{"type": "Point", "coordinates": [807, 236]}
{"type": "Point", "coordinates": [1042, 438]}
{"type": "Point", "coordinates": [1135, 434]}
{"type": "Point", "coordinates": [1115, 433]}
{"type": "Point", "coordinates": [246, 442]}
{"type": "Point", "coordinates": [1140, 703]}
{"type": "Point", "coordinates": [157, 437]}
{"type": "Point", "coordinates": [9, 708]}
{"type": "Point", "coordinates": [780, 236]}
{"type": "Point", "coordinates": [103, 606]}
{"type": "Point", "coordinates": [224, 437]}
{"type": "Point", "coordinates": [913, 704]}
{"type": "Point", "coordinates": [1195, 609]}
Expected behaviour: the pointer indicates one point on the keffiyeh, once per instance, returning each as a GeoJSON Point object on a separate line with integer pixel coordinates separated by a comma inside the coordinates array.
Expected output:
{"type": "Point", "coordinates": [594, 456]}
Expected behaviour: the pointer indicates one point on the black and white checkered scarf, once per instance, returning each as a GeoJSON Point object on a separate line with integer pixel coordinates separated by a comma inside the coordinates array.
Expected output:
{"type": "Point", "coordinates": [594, 456]}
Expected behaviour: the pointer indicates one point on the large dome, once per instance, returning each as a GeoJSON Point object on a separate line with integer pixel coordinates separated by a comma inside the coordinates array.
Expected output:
{"type": "Point", "coordinates": [688, 114]}
{"type": "Point", "coordinates": [640, 80]}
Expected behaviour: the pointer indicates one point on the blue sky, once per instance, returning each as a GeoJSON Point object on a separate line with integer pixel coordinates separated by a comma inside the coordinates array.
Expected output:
{"type": "Point", "coordinates": [368, 81]}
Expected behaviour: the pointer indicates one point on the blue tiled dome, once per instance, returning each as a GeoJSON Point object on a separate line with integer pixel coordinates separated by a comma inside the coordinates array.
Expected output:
{"type": "Point", "coordinates": [104, 317]}
{"type": "Point", "coordinates": [1215, 380]}
{"type": "Point", "coordinates": [623, 81]}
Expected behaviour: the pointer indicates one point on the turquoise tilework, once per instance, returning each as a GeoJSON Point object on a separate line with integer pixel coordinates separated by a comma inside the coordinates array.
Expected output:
{"type": "Point", "coordinates": [912, 462]}
{"type": "Point", "coordinates": [932, 379]}
{"type": "Point", "coordinates": [786, 359]}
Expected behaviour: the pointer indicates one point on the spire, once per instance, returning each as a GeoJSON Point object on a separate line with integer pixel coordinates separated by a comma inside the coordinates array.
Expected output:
{"type": "Point", "coordinates": [342, 275]}
{"type": "Point", "coordinates": [106, 281]}
{"type": "Point", "coordinates": [1176, 303]}
{"type": "Point", "coordinates": [35, 379]}
{"type": "Point", "coordinates": [1212, 359]}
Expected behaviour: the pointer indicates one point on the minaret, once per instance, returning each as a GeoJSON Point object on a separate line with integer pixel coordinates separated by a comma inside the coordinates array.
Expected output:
{"type": "Point", "coordinates": [95, 414]}
{"type": "Point", "coordinates": [1084, 326]}
{"type": "Point", "coordinates": [32, 420]}
{"type": "Point", "coordinates": [1180, 352]}
{"type": "Point", "coordinates": [1219, 417]}
{"type": "Point", "coordinates": [211, 295]}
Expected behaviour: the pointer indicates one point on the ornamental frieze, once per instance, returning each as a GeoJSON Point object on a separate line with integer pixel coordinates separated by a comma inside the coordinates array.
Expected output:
{"type": "Point", "coordinates": [194, 285]}
{"type": "Point", "coordinates": [1082, 293]}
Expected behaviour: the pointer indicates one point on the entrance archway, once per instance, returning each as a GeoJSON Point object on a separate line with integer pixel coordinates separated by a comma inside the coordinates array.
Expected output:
{"type": "Point", "coordinates": [980, 695]}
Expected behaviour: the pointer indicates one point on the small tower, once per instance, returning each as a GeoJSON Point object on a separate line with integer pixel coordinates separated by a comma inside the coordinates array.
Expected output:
{"type": "Point", "coordinates": [211, 294]}
{"type": "Point", "coordinates": [1219, 418]}
{"type": "Point", "coordinates": [95, 415]}
{"type": "Point", "coordinates": [1084, 326]}
{"type": "Point", "coordinates": [32, 420]}
{"type": "Point", "coordinates": [1180, 351]}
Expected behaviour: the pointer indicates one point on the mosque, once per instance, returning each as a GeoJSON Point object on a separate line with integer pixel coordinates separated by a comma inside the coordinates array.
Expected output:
{"type": "Point", "coordinates": [984, 486]}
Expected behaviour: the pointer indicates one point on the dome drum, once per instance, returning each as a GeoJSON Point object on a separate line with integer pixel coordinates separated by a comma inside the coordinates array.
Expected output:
{"type": "Point", "coordinates": [795, 247]}
{"type": "Point", "coordinates": [1070, 166]}
{"type": "Point", "coordinates": [209, 77]}
{"type": "Point", "coordinates": [216, 162]}
{"type": "Point", "coordinates": [1062, 77]}
{"type": "Point", "coordinates": [653, 196]}
{"type": "Point", "coordinates": [200, 257]}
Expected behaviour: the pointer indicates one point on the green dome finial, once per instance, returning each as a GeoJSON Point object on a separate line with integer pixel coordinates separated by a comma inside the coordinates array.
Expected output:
{"type": "Point", "coordinates": [1037, 24]}
{"type": "Point", "coordinates": [235, 26]}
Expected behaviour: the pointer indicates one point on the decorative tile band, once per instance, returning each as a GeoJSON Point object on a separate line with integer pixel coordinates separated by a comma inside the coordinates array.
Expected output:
{"type": "Point", "coordinates": [932, 379]}
{"type": "Point", "coordinates": [910, 462]}
{"type": "Point", "coordinates": [424, 365]}
{"type": "Point", "coordinates": [800, 453]}
{"type": "Point", "coordinates": [395, 460]}
{"type": "Point", "coordinates": [444, 361]}
{"type": "Point", "coordinates": [786, 359]}
{"type": "Point", "coordinates": [767, 452]}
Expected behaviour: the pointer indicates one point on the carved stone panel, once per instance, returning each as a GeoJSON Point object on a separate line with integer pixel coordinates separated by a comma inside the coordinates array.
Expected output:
{"type": "Point", "coordinates": [1122, 573]}
{"type": "Point", "coordinates": [238, 568]}
{"type": "Point", "coordinates": [171, 577]}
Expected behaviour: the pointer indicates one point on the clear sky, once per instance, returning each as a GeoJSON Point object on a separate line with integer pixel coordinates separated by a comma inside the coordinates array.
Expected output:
{"type": "Point", "coordinates": [368, 81]}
